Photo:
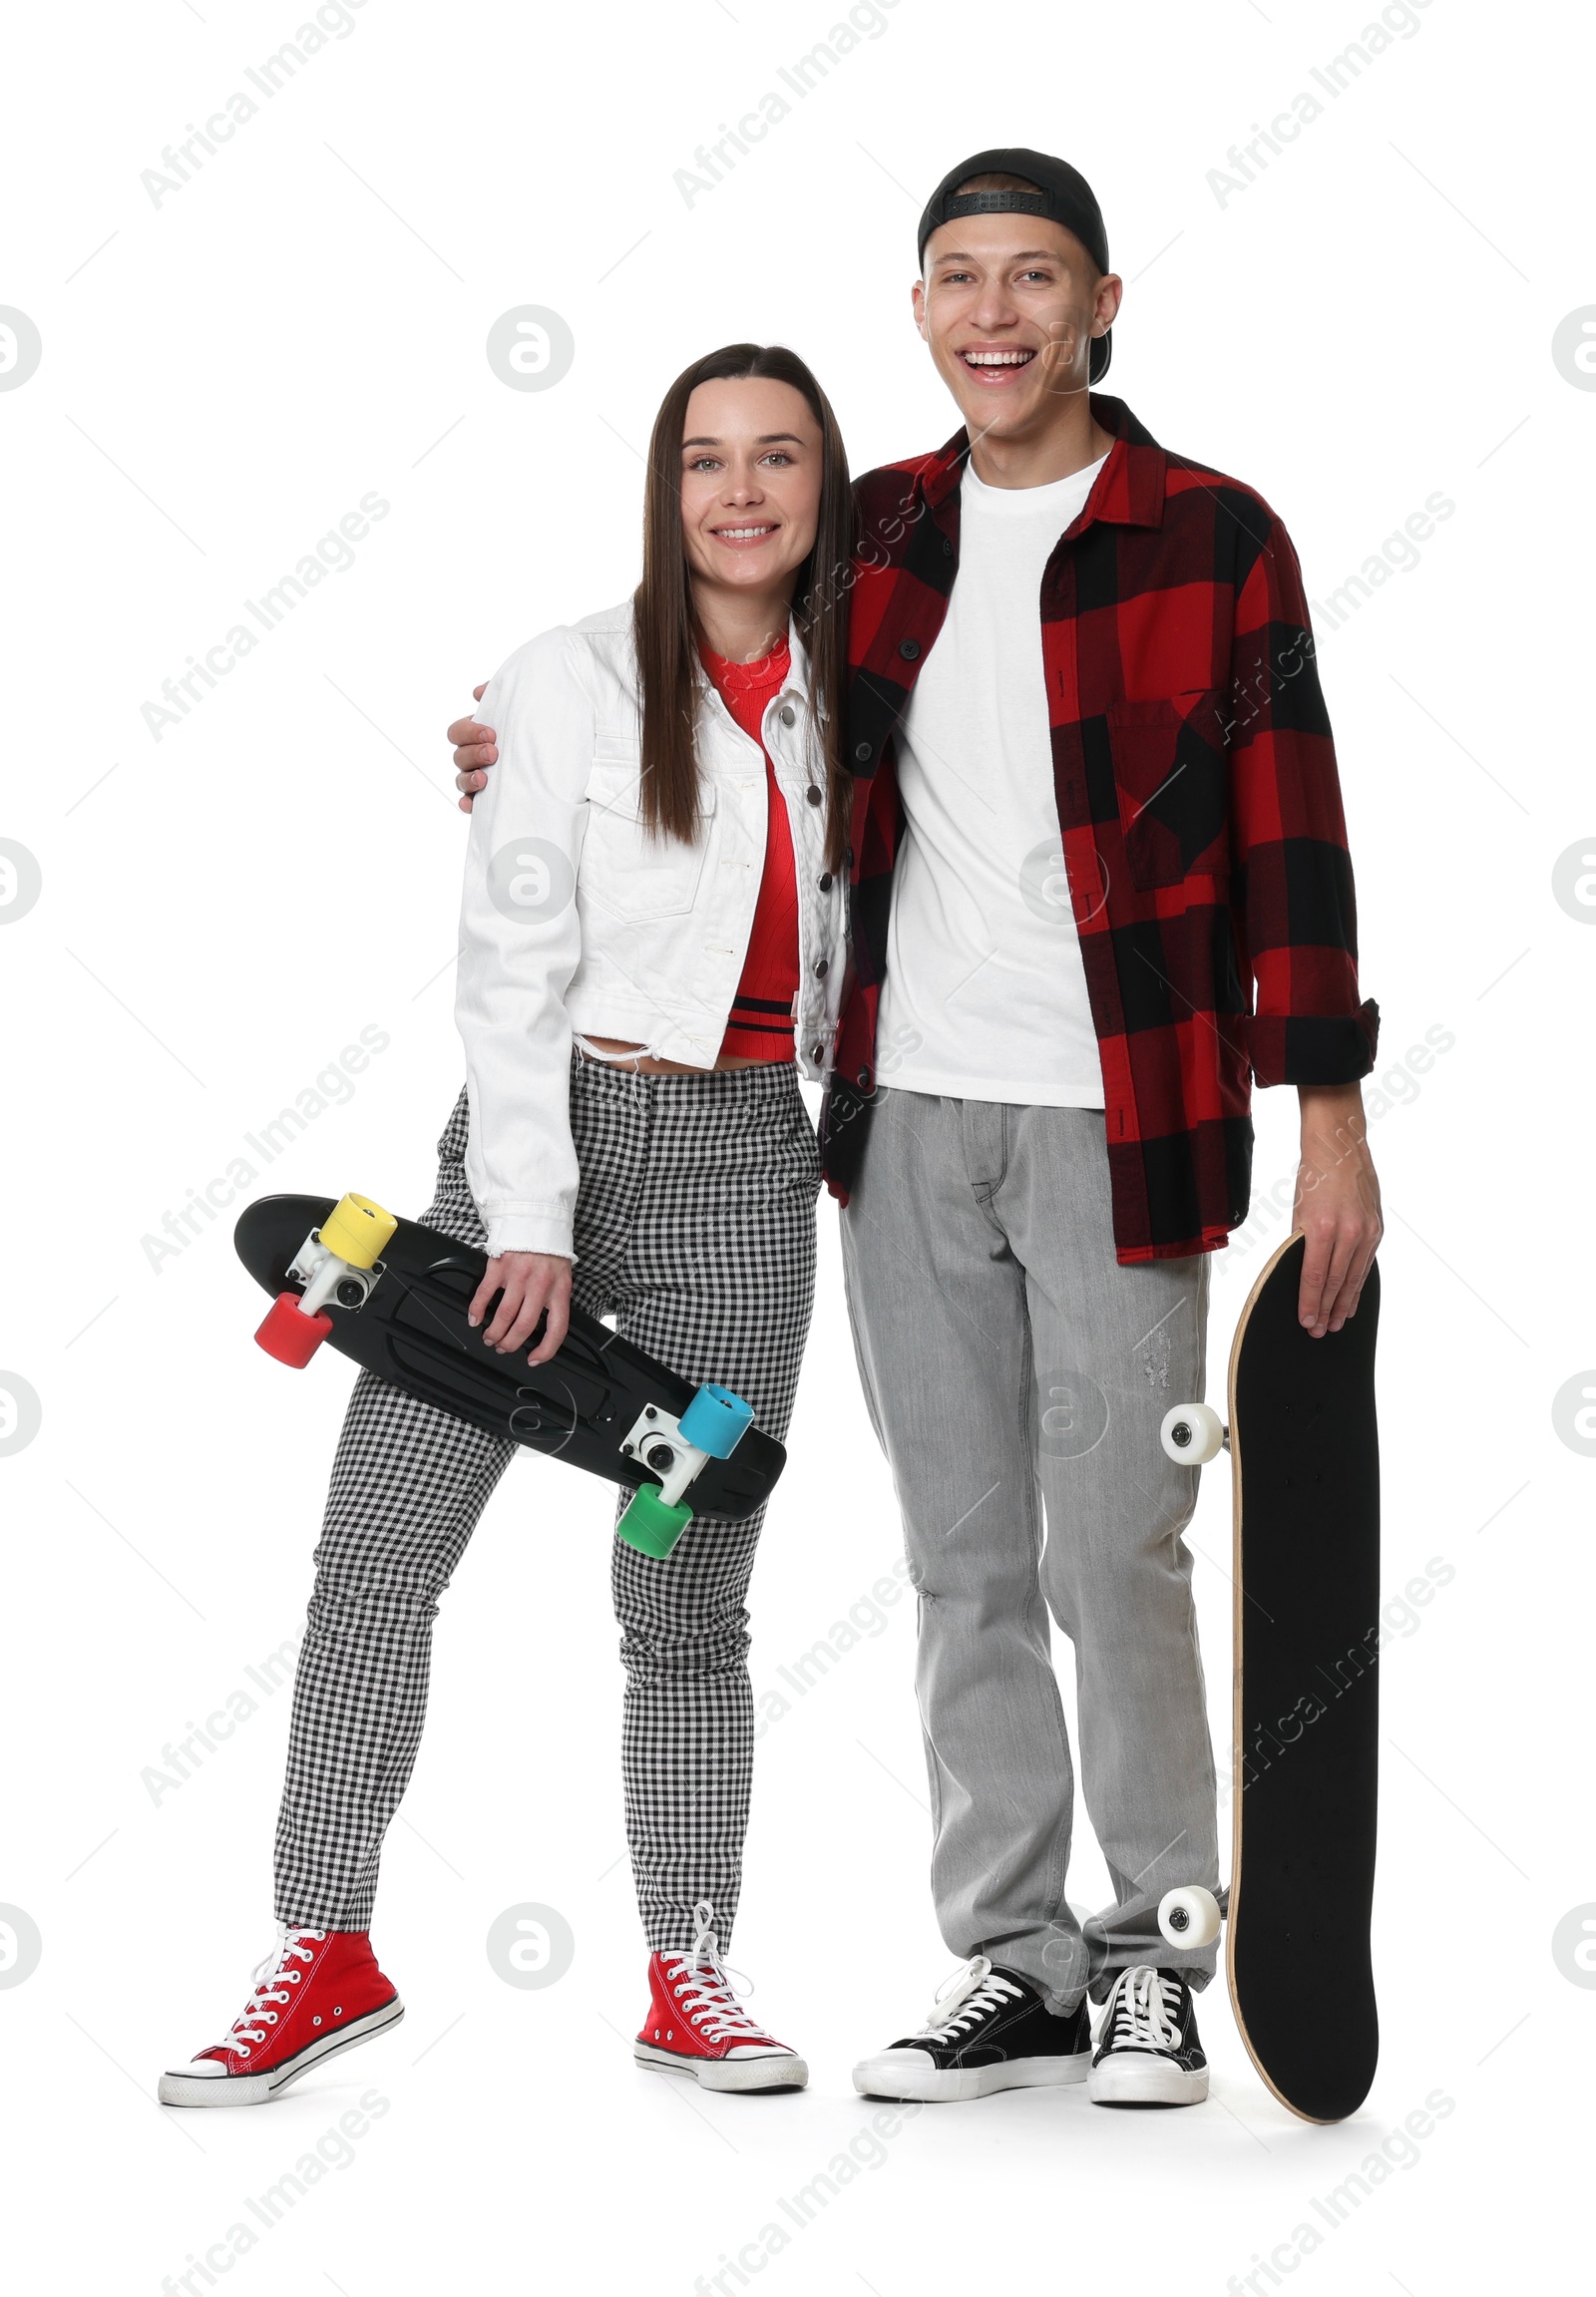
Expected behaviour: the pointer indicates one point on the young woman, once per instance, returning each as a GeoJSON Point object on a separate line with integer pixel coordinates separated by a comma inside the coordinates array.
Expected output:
{"type": "Point", "coordinates": [653, 954]}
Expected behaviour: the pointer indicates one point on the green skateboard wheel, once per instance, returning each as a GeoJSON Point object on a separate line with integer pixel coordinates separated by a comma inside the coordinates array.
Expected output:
{"type": "Point", "coordinates": [650, 1525]}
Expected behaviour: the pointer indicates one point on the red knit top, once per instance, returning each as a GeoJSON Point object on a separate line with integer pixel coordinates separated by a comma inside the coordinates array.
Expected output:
{"type": "Point", "coordinates": [760, 1026]}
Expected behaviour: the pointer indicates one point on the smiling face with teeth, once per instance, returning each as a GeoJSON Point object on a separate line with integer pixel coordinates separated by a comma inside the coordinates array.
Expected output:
{"type": "Point", "coordinates": [751, 470]}
{"type": "Point", "coordinates": [1010, 306]}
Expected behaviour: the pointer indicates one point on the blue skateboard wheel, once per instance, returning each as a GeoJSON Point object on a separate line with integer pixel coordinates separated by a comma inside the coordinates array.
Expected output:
{"type": "Point", "coordinates": [716, 1422]}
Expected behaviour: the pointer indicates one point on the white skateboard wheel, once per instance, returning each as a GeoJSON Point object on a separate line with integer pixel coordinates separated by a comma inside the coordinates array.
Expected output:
{"type": "Point", "coordinates": [1192, 1435]}
{"type": "Point", "coordinates": [1189, 1917]}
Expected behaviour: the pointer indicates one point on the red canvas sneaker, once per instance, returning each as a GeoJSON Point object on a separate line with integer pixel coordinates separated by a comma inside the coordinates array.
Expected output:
{"type": "Point", "coordinates": [696, 2025]}
{"type": "Point", "coordinates": [316, 1993]}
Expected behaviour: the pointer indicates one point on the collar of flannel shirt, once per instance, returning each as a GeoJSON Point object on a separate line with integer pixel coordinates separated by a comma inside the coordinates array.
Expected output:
{"type": "Point", "coordinates": [1129, 491]}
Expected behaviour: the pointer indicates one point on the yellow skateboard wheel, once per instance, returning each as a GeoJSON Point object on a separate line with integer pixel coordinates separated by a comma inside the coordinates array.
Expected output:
{"type": "Point", "coordinates": [356, 1230]}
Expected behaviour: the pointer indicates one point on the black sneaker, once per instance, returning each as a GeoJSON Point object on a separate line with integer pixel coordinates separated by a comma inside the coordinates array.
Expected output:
{"type": "Point", "coordinates": [989, 2031]}
{"type": "Point", "coordinates": [1148, 2053]}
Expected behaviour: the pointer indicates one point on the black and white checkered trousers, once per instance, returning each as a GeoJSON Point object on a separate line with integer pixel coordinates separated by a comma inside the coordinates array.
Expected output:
{"type": "Point", "coordinates": [696, 1229]}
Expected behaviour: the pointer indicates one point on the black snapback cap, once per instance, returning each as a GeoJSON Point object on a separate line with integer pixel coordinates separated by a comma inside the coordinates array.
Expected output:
{"type": "Point", "coordinates": [1062, 194]}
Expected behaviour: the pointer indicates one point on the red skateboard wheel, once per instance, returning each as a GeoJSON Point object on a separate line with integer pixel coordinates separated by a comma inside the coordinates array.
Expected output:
{"type": "Point", "coordinates": [289, 1334]}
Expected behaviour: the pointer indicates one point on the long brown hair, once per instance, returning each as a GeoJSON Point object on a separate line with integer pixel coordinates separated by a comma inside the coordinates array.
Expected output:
{"type": "Point", "coordinates": [669, 671]}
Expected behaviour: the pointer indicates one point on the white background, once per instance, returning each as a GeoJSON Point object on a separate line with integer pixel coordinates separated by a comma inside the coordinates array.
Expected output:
{"type": "Point", "coordinates": [223, 377]}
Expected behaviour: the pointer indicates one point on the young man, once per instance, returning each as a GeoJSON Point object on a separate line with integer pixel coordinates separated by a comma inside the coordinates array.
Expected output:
{"type": "Point", "coordinates": [1100, 885]}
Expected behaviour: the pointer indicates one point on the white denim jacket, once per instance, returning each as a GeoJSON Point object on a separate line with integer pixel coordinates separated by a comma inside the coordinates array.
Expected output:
{"type": "Point", "coordinates": [576, 922]}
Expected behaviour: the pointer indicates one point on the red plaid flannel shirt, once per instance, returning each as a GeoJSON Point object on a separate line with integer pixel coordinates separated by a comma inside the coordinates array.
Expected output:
{"type": "Point", "coordinates": [1203, 841]}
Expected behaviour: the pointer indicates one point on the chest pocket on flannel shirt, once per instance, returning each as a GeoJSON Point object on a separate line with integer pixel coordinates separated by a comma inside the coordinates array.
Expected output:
{"type": "Point", "coordinates": [1169, 760]}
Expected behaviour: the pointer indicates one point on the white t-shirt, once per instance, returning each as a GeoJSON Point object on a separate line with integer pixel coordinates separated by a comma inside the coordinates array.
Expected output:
{"type": "Point", "coordinates": [985, 995]}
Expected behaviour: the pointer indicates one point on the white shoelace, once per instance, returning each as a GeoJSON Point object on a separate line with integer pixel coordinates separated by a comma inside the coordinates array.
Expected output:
{"type": "Point", "coordinates": [703, 1984]}
{"type": "Point", "coordinates": [1144, 2010]}
{"type": "Point", "coordinates": [968, 1996]}
{"type": "Point", "coordinates": [274, 1983]}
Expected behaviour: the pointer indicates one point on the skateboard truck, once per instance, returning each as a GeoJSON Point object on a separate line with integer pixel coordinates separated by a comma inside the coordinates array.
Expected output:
{"type": "Point", "coordinates": [337, 1262]}
{"type": "Point", "coordinates": [675, 1450]}
{"type": "Point", "coordinates": [1192, 1435]}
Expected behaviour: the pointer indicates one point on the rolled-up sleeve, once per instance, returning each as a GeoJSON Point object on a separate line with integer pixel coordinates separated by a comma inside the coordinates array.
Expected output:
{"type": "Point", "coordinates": [1293, 906]}
{"type": "Point", "coordinates": [521, 942]}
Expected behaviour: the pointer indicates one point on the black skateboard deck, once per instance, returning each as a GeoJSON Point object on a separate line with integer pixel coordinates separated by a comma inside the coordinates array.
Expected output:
{"type": "Point", "coordinates": [1304, 1459]}
{"type": "Point", "coordinates": [411, 1330]}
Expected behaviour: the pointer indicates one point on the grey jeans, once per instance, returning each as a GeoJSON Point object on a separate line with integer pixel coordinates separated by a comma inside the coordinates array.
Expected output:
{"type": "Point", "coordinates": [1015, 1372]}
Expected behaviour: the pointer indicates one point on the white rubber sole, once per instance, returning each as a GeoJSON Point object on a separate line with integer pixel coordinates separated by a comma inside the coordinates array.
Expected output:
{"type": "Point", "coordinates": [1135, 2077]}
{"type": "Point", "coordinates": [784, 2071]}
{"type": "Point", "coordinates": [181, 2089]}
{"type": "Point", "coordinates": [905, 2076]}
